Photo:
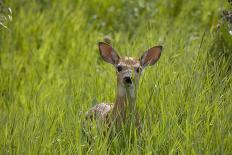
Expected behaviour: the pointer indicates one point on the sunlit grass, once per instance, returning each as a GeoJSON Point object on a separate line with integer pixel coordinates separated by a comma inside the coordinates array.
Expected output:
{"type": "Point", "coordinates": [51, 73]}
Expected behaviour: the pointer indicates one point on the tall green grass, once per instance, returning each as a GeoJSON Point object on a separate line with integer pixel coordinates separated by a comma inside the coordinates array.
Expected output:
{"type": "Point", "coordinates": [51, 73]}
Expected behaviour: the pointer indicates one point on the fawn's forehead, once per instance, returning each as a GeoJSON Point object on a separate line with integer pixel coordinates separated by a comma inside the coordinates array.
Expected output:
{"type": "Point", "coordinates": [129, 62]}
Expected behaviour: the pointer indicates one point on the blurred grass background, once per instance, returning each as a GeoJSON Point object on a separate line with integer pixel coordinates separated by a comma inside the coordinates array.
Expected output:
{"type": "Point", "coordinates": [51, 73]}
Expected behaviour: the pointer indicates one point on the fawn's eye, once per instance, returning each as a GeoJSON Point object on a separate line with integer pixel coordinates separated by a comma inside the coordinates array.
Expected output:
{"type": "Point", "coordinates": [119, 68]}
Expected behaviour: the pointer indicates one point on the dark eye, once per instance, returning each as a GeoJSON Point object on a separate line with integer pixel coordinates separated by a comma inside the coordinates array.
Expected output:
{"type": "Point", "coordinates": [119, 68]}
{"type": "Point", "coordinates": [138, 69]}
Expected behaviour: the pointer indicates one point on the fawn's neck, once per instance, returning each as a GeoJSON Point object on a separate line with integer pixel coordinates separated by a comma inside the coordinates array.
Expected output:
{"type": "Point", "coordinates": [125, 101]}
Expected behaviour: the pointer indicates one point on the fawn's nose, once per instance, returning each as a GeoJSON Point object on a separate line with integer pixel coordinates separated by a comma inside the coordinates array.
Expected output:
{"type": "Point", "coordinates": [128, 80]}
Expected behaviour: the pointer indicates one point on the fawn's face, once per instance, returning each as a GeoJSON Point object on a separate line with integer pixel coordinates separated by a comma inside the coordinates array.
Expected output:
{"type": "Point", "coordinates": [129, 69]}
{"type": "Point", "coordinates": [128, 72]}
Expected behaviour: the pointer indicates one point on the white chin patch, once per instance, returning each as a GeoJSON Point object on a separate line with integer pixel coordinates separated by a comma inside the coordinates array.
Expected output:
{"type": "Point", "coordinates": [122, 90]}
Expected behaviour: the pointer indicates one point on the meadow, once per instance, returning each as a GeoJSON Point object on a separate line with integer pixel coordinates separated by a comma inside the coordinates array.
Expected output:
{"type": "Point", "coordinates": [51, 74]}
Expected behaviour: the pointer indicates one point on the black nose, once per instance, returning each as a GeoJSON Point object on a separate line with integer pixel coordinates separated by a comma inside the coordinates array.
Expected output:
{"type": "Point", "coordinates": [128, 80]}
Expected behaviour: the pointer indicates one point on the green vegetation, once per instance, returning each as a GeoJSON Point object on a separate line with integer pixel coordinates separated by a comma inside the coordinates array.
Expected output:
{"type": "Point", "coordinates": [51, 73]}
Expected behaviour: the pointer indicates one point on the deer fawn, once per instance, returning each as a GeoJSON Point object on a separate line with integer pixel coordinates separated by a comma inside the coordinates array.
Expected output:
{"type": "Point", "coordinates": [128, 72]}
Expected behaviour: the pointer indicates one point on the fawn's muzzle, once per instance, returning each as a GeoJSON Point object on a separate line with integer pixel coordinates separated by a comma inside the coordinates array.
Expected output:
{"type": "Point", "coordinates": [127, 80]}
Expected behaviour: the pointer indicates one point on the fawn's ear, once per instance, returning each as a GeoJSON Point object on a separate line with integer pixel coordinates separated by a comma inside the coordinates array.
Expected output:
{"type": "Point", "coordinates": [108, 53]}
{"type": "Point", "coordinates": [151, 56]}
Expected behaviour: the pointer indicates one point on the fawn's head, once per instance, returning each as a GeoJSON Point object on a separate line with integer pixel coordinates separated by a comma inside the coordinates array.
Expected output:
{"type": "Point", "coordinates": [129, 69]}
